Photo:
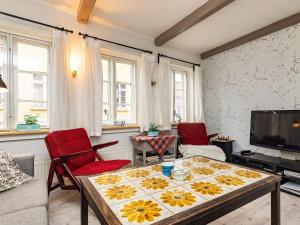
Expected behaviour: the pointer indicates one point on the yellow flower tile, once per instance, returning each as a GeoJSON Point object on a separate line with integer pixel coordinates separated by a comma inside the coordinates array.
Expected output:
{"type": "Point", "coordinates": [231, 181]}
{"type": "Point", "coordinates": [136, 174]}
{"type": "Point", "coordinates": [200, 160]}
{"type": "Point", "coordinates": [106, 180]}
{"type": "Point", "coordinates": [154, 184]}
{"type": "Point", "coordinates": [141, 211]}
{"type": "Point", "coordinates": [178, 199]}
{"type": "Point", "coordinates": [120, 193]}
{"type": "Point", "coordinates": [220, 166]}
{"type": "Point", "coordinates": [208, 188]}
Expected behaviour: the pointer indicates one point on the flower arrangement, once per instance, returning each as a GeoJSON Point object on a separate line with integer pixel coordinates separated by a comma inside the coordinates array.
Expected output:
{"type": "Point", "coordinates": [153, 130]}
{"type": "Point", "coordinates": [31, 123]}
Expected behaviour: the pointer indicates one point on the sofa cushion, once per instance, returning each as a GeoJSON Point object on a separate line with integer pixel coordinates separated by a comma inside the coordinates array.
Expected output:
{"type": "Point", "coordinates": [32, 216]}
{"type": "Point", "coordinates": [26, 196]}
{"type": "Point", "coordinates": [10, 173]}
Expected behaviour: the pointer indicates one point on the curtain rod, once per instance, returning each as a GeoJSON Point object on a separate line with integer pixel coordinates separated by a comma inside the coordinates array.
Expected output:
{"type": "Point", "coordinates": [36, 22]}
{"type": "Point", "coordinates": [127, 46]}
{"type": "Point", "coordinates": [180, 60]}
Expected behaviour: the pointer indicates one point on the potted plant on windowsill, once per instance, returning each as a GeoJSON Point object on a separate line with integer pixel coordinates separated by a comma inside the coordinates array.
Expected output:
{"type": "Point", "coordinates": [153, 130]}
{"type": "Point", "coordinates": [30, 123]}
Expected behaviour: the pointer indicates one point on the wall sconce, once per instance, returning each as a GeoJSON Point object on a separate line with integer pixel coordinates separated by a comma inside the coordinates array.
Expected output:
{"type": "Point", "coordinates": [3, 87]}
{"type": "Point", "coordinates": [74, 64]}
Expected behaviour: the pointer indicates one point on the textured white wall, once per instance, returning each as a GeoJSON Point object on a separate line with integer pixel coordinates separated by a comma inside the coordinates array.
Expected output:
{"type": "Point", "coordinates": [262, 74]}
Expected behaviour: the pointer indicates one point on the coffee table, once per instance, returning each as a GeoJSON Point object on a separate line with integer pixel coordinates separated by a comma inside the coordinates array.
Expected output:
{"type": "Point", "coordinates": [143, 195]}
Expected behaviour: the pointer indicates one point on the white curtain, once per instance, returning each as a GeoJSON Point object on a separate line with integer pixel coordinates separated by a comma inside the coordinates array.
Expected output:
{"type": "Point", "coordinates": [163, 94]}
{"type": "Point", "coordinates": [91, 86]}
{"type": "Point", "coordinates": [145, 97]}
{"type": "Point", "coordinates": [60, 83]}
{"type": "Point", "coordinates": [198, 95]}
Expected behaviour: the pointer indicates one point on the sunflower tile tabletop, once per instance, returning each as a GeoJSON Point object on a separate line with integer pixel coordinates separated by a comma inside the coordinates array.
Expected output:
{"type": "Point", "coordinates": [144, 195]}
{"type": "Point", "coordinates": [178, 199]}
{"type": "Point", "coordinates": [144, 210]}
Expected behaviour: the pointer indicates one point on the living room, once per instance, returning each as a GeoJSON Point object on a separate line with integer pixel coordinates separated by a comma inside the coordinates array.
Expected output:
{"type": "Point", "coordinates": [199, 95]}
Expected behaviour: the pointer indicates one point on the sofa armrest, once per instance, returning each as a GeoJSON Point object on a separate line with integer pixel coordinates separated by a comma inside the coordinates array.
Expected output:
{"type": "Point", "coordinates": [26, 163]}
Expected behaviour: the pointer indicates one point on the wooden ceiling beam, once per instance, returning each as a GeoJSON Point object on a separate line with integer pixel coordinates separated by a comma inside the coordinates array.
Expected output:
{"type": "Point", "coordinates": [204, 11]}
{"type": "Point", "coordinates": [85, 9]}
{"type": "Point", "coordinates": [279, 25]}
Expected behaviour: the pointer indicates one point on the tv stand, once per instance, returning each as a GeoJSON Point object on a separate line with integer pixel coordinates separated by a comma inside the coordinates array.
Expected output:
{"type": "Point", "coordinates": [272, 164]}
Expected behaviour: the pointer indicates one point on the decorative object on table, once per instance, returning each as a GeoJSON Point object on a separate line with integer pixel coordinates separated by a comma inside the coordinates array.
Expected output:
{"type": "Point", "coordinates": [3, 87]}
{"type": "Point", "coordinates": [167, 168]}
{"type": "Point", "coordinates": [222, 138]}
{"type": "Point", "coordinates": [30, 123]}
{"type": "Point", "coordinates": [179, 174]}
{"type": "Point", "coordinates": [153, 130]}
{"type": "Point", "coordinates": [119, 123]}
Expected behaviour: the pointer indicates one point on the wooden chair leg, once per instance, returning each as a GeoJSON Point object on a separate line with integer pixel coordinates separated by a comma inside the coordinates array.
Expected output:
{"type": "Point", "coordinates": [50, 177]}
{"type": "Point", "coordinates": [72, 178]}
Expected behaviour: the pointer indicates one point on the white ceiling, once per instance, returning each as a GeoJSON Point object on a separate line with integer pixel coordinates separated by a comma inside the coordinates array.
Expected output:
{"type": "Point", "coordinates": [151, 17]}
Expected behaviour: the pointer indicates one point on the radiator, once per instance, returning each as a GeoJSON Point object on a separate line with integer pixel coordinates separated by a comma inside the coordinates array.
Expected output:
{"type": "Point", "coordinates": [41, 167]}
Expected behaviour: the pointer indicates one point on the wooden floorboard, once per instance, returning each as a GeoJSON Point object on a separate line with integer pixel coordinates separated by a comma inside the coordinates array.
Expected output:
{"type": "Point", "coordinates": [64, 209]}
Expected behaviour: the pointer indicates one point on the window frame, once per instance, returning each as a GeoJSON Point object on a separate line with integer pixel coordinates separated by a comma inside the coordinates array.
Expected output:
{"type": "Point", "coordinates": [11, 76]}
{"type": "Point", "coordinates": [112, 59]}
{"type": "Point", "coordinates": [185, 73]}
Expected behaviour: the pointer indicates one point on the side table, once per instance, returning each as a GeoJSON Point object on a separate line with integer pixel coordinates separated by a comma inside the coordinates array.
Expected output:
{"type": "Point", "coordinates": [226, 146]}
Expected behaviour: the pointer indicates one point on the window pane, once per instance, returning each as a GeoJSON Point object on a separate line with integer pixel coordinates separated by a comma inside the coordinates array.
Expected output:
{"type": "Point", "coordinates": [123, 94]}
{"type": "Point", "coordinates": [31, 58]}
{"type": "Point", "coordinates": [25, 108]}
{"type": "Point", "coordinates": [124, 112]}
{"type": "Point", "coordinates": [105, 69]}
{"type": "Point", "coordinates": [105, 113]}
{"type": "Point", "coordinates": [32, 92]}
{"type": "Point", "coordinates": [179, 95]}
{"type": "Point", "coordinates": [3, 72]}
{"type": "Point", "coordinates": [105, 92]}
{"type": "Point", "coordinates": [124, 72]}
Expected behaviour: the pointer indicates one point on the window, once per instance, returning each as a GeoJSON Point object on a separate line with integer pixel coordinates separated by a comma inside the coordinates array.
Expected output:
{"type": "Point", "coordinates": [178, 95]}
{"type": "Point", "coordinates": [25, 70]}
{"type": "Point", "coordinates": [119, 90]}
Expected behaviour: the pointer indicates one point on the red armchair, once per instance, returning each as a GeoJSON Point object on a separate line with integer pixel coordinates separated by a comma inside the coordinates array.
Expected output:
{"type": "Point", "coordinates": [72, 155]}
{"type": "Point", "coordinates": [193, 134]}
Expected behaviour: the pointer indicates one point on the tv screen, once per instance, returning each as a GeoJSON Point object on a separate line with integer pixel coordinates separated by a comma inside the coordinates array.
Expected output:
{"type": "Point", "coordinates": [276, 129]}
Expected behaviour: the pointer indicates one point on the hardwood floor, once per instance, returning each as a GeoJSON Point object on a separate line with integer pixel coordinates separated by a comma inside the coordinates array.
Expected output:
{"type": "Point", "coordinates": [64, 209]}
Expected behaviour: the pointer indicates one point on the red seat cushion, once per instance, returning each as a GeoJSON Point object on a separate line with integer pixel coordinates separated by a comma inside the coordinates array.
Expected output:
{"type": "Point", "coordinates": [100, 167]}
{"type": "Point", "coordinates": [192, 134]}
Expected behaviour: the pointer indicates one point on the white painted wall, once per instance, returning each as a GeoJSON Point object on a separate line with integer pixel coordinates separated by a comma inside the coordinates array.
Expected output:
{"type": "Point", "coordinates": [261, 75]}
{"type": "Point", "coordinates": [45, 14]}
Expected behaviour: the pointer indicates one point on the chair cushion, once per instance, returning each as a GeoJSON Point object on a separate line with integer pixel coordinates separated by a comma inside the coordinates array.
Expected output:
{"type": "Point", "coordinates": [30, 195]}
{"type": "Point", "coordinates": [100, 167]}
{"type": "Point", "coordinates": [192, 134]}
{"type": "Point", "coordinates": [65, 142]}
{"type": "Point", "coordinates": [32, 216]}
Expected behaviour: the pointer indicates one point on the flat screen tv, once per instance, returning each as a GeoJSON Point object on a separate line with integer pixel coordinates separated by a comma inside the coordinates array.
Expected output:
{"type": "Point", "coordinates": [279, 129]}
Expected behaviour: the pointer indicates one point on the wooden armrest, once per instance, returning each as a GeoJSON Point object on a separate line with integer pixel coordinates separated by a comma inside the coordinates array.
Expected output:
{"type": "Point", "coordinates": [104, 145]}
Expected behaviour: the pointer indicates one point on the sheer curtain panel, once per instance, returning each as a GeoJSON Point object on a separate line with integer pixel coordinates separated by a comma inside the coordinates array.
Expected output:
{"type": "Point", "coordinates": [198, 95]}
{"type": "Point", "coordinates": [145, 97]}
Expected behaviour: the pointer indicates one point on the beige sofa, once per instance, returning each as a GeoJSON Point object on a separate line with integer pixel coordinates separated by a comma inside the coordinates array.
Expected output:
{"type": "Point", "coordinates": [27, 204]}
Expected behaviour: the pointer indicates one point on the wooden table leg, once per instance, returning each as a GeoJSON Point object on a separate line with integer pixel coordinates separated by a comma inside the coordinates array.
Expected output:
{"type": "Point", "coordinates": [144, 157]}
{"type": "Point", "coordinates": [275, 205]}
{"type": "Point", "coordinates": [134, 157]}
{"type": "Point", "coordinates": [84, 209]}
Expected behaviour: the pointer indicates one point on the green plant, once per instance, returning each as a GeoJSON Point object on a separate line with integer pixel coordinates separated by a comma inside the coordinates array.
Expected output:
{"type": "Point", "coordinates": [31, 119]}
{"type": "Point", "coordinates": [153, 127]}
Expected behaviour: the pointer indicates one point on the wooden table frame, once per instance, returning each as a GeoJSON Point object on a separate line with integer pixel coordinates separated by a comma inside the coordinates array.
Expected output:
{"type": "Point", "coordinates": [200, 215]}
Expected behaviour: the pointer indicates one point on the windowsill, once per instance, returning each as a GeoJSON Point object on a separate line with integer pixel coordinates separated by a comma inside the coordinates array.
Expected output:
{"type": "Point", "coordinates": [16, 132]}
